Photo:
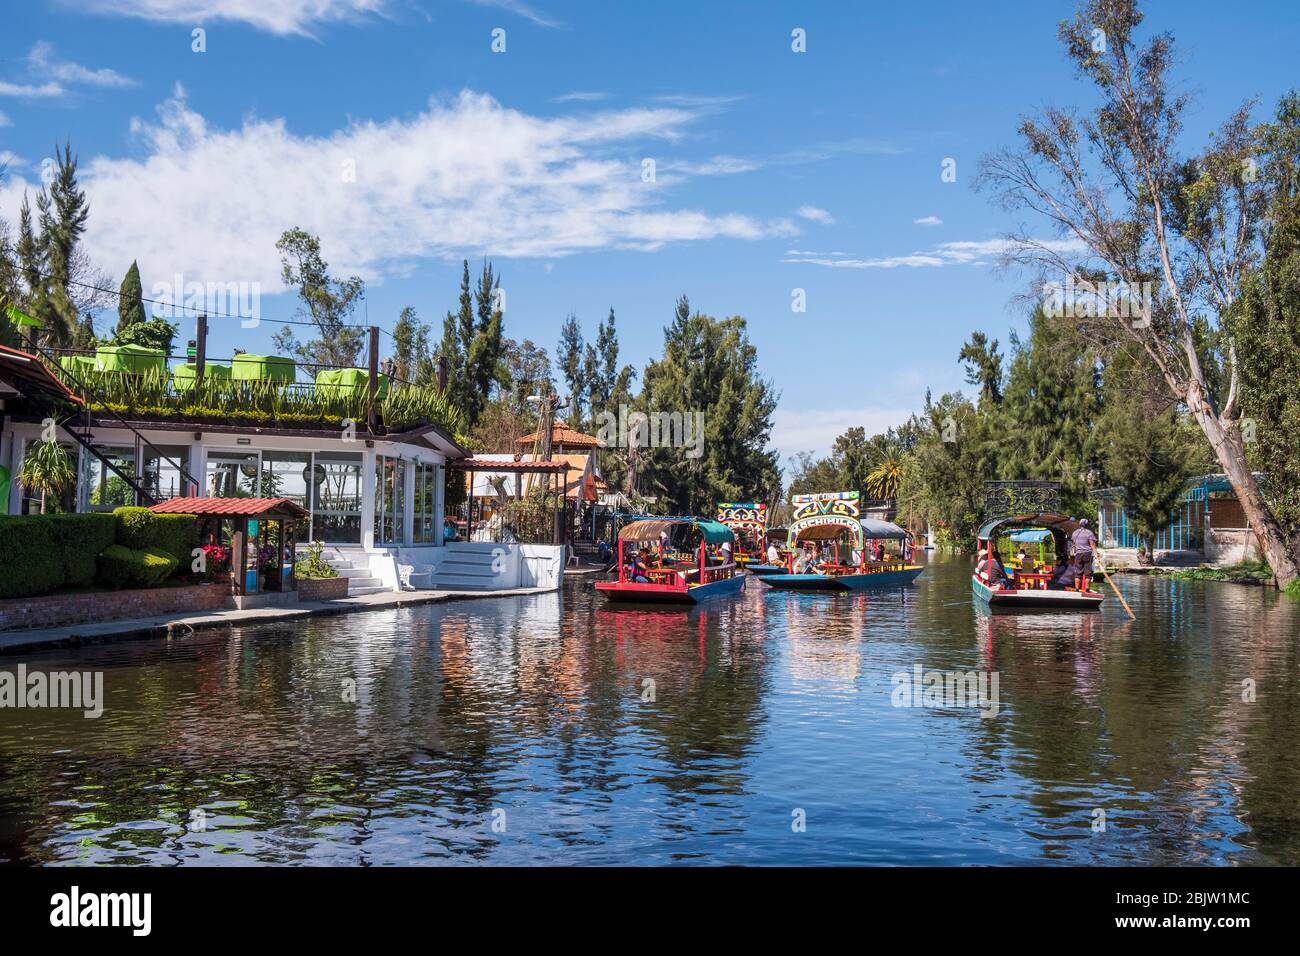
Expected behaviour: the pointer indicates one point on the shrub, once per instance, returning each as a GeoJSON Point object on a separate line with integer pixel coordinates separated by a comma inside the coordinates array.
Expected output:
{"type": "Point", "coordinates": [30, 564]}
{"type": "Point", "coordinates": [314, 566]}
{"type": "Point", "coordinates": [123, 567]}
{"type": "Point", "coordinates": [139, 529]}
{"type": "Point", "coordinates": [80, 538]}
{"type": "Point", "coordinates": [42, 553]}
{"type": "Point", "coordinates": [135, 527]}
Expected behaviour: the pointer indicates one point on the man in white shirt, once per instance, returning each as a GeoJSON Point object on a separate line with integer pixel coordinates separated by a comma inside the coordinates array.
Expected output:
{"type": "Point", "coordinates": [773, 555]}
{"type": "Point", "coordinates": [724, 552]}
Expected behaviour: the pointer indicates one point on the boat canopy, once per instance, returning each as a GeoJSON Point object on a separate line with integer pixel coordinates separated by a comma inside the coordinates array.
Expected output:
{"type": "Point", "coordinates": [825, 528]}
{"type": "Point", "coordinates": [649, 529]}
{"type": "Point", "coordinates": [874, 528]}
{"type": "Point", "coordinates": [1059, 526]}
{"type": "Point", "coordinates": [1030, 535]}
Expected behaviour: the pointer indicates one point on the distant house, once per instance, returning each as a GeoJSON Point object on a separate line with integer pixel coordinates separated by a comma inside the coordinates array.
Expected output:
{"type": "Point", "coordinates": [1209, 520]}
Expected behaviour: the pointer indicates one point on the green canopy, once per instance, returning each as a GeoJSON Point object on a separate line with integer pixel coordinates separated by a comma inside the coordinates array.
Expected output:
{"type": "Point", "coordinates": [183, 375]}
{"type": "Point", "coordinates": [715, 532]}
{"type": "Point", "coordinates": [132, 359]}
{"type": "Point", "coordinates": [263, 368]}
{"type": "Point", "coordinates": [76, 364]}
{"type": "Point", "coordinates": [20, 318]}
{"type": "Point", "coordinates": [348, 381]}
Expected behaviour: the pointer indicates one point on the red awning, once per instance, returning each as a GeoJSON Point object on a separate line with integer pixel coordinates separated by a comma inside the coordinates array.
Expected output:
{"type": "Point", "coordinates": [232, 507]}
{"type": "Point", "coordinates": [483, 464]}
{"type": "Point", "coordinates": [25, 372]}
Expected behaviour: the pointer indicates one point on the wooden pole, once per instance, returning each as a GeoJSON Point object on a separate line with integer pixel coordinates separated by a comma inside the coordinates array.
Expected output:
{"type": "Point", "coordinates": [372, 383]}
{"type": "Point", "coordinates": [1117, 594]}
{"type": "Point", "coordinates": [200, 350]}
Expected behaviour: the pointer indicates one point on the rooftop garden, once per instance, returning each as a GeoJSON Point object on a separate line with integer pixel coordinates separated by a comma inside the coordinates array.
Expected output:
{"type": "Point", "coordinates": [158, 392]}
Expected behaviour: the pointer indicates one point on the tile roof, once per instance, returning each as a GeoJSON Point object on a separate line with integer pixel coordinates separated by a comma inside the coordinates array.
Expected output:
{"type": "Point", "coordinates": [237, 507]}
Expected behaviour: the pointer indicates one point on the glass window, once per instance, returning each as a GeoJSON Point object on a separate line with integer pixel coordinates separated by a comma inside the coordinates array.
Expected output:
{"type": "Point", "coordinates": [336, 497]}
{"type": "Point", "coordinates": [104, 488]}
{"type": "Point", "coordinates": [232, 474]}
{"type": "Point", "coordinates": [162, 477]}
{"type": "Point", "coordinates": [285, 474]}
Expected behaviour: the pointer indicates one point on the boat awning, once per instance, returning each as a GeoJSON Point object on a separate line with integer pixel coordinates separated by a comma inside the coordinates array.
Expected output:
{"type": "Point", "coordinates": [876, 529]}
{"type": "Point", "coordinates": [1030, 535]}
{"type": "Point", "coordinates": [824, 528]}
{"type": "Point", "coordinates": [1052, 522]}
{"type": "Point", "coordinates": [649, 529]}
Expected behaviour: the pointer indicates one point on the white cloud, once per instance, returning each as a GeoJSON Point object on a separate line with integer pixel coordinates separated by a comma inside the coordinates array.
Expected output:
{"type": "Point", "coordinates": [5, 121]}
{"type": "Point", "coordinates": [467, 177]}
{"type": "Point", "coordinates": [815, 430]}
{"type": "Point", "coordinates": [716, 166]}
{"type": "Point", "coordinates": [965, 252]}
{"type": "Point", "coordinates": [581, 96]}
{"type": "Point", "coordinates": [815, 214]}
{"type": "Point", "coordinates": [8, 159]}
{"type": "Point", "coordinates": [42, 61]}
{"type": "Point", "coordinates": [274, 16]}
{"type": "Point", "coordinates": [928, 221]}
{"type": "Point", "coordinates": [521, 9]}
{"type": "Point", "coordinates": [30, 90]}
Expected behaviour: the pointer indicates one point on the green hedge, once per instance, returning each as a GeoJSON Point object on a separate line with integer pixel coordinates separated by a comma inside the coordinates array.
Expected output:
{"type": "Point", "coordinates": [140, 529]}
{"type": "Point", "coordinates": [42, 553]}
{"type": "Point", "coordinates": [123, 567]}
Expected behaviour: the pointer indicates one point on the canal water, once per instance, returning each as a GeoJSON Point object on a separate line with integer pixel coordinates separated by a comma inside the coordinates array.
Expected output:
{"type": "Point", "coordinates": [771, 728]}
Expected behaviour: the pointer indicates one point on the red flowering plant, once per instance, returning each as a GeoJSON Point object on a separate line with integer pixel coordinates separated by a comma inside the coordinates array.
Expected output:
{"type": "Point", "coordinates": [216, 559]}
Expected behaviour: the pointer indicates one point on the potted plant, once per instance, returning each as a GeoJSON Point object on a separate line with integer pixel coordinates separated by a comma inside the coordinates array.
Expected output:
{"type": "Point", "coordinates": [317, 581]}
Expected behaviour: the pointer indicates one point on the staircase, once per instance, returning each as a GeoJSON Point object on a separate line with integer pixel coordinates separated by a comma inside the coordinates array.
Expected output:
{"type": "Point", "coordinates": [465, 569]}
{"type": "Point", "coordinates": [354, 565]}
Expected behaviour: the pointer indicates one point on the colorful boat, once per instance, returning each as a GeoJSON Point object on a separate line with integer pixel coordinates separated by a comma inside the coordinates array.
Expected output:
{"type": "Point", "coordinates": [775, 536]}
{"type": "Point", "coordinates": [827, 517]}
{"type": "Point", "coordinates": [1021, 588]}
{"type": "Point", "coordinates": [748, 522]}
{"type": "Point", "coordinates": [670, 582]}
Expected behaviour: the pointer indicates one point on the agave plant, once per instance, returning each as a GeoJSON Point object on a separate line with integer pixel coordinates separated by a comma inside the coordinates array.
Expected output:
{"type": "Point", "coordinates": [47, 469]}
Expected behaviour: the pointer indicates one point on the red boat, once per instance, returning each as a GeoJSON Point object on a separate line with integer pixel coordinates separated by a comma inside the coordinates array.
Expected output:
{"type": "Point", "coordinates": [670, 582]}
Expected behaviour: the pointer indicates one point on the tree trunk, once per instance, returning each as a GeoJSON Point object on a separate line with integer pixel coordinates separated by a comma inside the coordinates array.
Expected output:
{"type": "Point", "coordinates": [1231, 456]}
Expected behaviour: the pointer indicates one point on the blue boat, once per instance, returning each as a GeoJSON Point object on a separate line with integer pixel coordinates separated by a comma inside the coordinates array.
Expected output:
{"type": "Point", "coordinates": [669, 582]}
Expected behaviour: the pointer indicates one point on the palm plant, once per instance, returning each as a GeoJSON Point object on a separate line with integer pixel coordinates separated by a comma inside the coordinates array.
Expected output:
{"type": "Point", "coordinates": [46, 470]}
{"type": "Point", "coordinates": [884, 480]}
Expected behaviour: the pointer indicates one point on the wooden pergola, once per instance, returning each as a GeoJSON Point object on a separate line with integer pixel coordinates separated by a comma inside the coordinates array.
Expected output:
{"type": "Point", "coordinates": [250, 520]}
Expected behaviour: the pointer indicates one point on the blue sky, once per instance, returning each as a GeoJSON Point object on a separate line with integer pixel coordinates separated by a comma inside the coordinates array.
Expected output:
{"type": "Point", "coordinates": [774, 170]}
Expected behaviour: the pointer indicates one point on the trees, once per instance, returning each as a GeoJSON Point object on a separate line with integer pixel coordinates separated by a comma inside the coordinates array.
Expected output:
{"type": "Point", "coordinates": [472, 344]}
{"type": "Point", "coordinates": [1264, 325]}
{"type": "Point", "coordinates": [1050, 407]}
{"type": "Point", "coordinates": [1143, 449]}
{"type": "Point", "coordinates": [568, 357]}
{"type": "Point", "coordinates": [130, 299]}
{"type": "Point", "coordinates": [47, 470]}
{"type": "Point", "coordinates": [983, 367]}
{"type": "Point", "coordinates": [411, 360]}
{"type": "Point", "coordinates": [1146, 217]}
{"type": "Point", "coordinates": [328, 303]}
{"type": "Point", "coordinates": [707, 381]}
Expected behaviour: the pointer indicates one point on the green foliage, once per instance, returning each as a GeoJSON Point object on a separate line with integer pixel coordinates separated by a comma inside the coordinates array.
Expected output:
{"type": "Point", "coordinates": [710, 368]}
{"type": "Point", "coordinates": [327, 302]}
{"type": "Point", "coordinates": [130, 302]}
{"type": "Point", "coordinates": [140, 529]}
{"type": "Point", "coordinates": [1264, 325]}
{"type": "Point", "coordinates": [473, 345]}
{"type": "Point", "coordinates": [135, 526]}
{"type": "Point", "coordinates": [314, 566]}
{"type": "Point", "coordinates": [30, 563]}
{"type": "Point", "coordinates": [1248, 572]}
{"type": "Point", "coordinates": [123, 567]}
{"type": "Point", "coordinates": [42, 553]}
{"type": "Point", "coordinates": [154, 334]}
{"type": "Point", "coordinates": [47, 470]}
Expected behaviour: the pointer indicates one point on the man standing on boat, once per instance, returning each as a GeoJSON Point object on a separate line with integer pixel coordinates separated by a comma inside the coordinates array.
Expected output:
{"type": "Point", "coordinates": [1083, 542]}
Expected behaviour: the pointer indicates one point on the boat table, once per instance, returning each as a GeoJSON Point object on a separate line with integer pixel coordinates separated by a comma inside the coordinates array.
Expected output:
{"type": "Point", "coordinates": [1032, 580]}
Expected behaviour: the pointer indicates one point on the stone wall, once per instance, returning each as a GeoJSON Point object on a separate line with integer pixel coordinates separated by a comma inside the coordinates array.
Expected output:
{"type": "Point", "coordinates": [1224, 547]}
{"type": "Point", "coordinates": [57, 610]}
{"type": "Point", "coordinates": [322, 589]}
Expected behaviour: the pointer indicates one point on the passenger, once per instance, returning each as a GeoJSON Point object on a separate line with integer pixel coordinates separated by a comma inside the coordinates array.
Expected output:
{"type": "Point", "coordinates": [724, 552]}
{"type": "Point", "coordinates": [773, 555]}
{"type": "Point", "coordinates": [1025, 561]}
{"type": "Point", "coordinates": [1062, 575]}
{"type": "Point", "coordinates": [641, 567]}
{"type": "Point", "coordinates": [880, 551]}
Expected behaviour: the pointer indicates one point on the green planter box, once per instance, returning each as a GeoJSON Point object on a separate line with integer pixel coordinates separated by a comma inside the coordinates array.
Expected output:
{"type": "Point", "coordinates": [132, 359]}
{"type": "Point", "coordinates": [183, 375]}
{"type": "Point", "coordinates": [263, 368]}
{"type": "Point", "coordinates": [345, 382]}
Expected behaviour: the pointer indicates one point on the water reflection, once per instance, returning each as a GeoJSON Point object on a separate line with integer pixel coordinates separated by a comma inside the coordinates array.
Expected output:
{"type": "Point", "coordinates": [657, 736]}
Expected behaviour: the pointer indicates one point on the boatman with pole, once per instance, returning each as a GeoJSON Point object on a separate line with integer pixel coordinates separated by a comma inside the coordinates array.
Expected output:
{"type": "Point", "coordinates": [1083, 542]}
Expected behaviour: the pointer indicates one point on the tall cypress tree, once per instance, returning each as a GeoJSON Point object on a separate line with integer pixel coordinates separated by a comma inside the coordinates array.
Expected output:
{"type": "Point", "coordinates": [130, 300]}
